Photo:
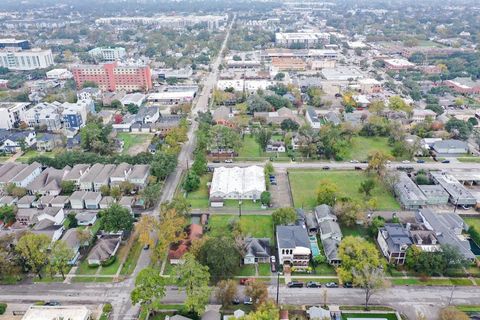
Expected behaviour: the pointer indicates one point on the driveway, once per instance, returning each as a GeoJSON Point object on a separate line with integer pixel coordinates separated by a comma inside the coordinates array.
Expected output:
{"type": "Point", "coordinates": [281, 196]}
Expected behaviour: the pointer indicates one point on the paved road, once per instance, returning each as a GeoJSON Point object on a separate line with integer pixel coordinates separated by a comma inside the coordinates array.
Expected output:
{"type": "Point", "coordinates": [348, 165]}
{"type": "Point", "coordinates": [407, 300]}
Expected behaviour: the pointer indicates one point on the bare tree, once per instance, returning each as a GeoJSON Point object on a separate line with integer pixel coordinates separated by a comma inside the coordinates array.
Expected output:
{"type": "Point", "coordinates": [371, 279]}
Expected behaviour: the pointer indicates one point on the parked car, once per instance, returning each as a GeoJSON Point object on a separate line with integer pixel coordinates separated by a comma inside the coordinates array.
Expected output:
{"type": "Point", "coordinates": [273, 259]}
{"type": "Point", "coordinates": [216, 161]}
{"type": "Point", "coordinates": [313, 284]}
{"type": "Point", "coordinates": [358, 168]}
{"type": "Point", "coordinates": [420, 161]}
{"type": "Point", "coordinates": [245, 281]}
{"type": "Point", "coordinates": [52, 303]}
{"type": "Point", "coordinates": [326, 168]}
{"type": "Point", "coordinates": [295, 284]}
{"type": "Point", "coordinates": [228, 161]}
{"type": "Point", "coordinates": [331, 285]}
{"type": "Point", "coordinates": [354, 161]}
{"type": "Point", "coordinates": [235, 300]}
{"type": "Point", "coordinates": [445, 161]}
{"type": "Point", "coordinates": [247, 300]}
{"type": "Point", "coordinates": [348, 285]}
{"type": "Point", "coordinates": [146, 247]}
{"type": "Point", "coordinates": [405, 161]}
{"type": "Point", "coordinates": [273, 267]}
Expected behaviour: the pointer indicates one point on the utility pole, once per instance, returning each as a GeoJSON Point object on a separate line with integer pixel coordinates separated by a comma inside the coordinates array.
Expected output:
{"type": "Point", "coordinates": [278, 284]}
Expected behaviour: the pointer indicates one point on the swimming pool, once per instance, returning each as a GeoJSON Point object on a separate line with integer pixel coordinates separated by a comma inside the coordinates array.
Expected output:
{"type": "Point", "coordinates": [314, 246]}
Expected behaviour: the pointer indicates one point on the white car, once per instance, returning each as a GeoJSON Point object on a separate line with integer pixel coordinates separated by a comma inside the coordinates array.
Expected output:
{"type": "Point", "coordinates": [272, 259]}
{"type": "Point", "coordinates": [405, 161]}
{"type": "Point", "coordinates": [228, 161]}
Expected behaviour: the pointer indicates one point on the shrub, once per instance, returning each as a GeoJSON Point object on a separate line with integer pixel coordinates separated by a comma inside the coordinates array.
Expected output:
{"type": "Point", "coordinates": [109, 261]}
{"type": "Point", "coordinates": [3, 307]}
{"type": "Point", "coordinates": [107, 307]}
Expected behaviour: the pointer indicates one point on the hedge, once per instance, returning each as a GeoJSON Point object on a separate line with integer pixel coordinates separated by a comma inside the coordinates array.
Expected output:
{"type": "Point", "coordinates": [3, 307]}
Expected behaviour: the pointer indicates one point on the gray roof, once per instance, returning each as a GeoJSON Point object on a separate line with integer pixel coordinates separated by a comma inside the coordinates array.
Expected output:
{"type": "Point", "coordinates": [71, 238]}
{"type": "Point", "coordinates": [60, 200]}
{"type": "Point", "coordinates": [50, 179]}
{"type": "Point", "coordinates": [324, 211]}
{"type": "Point", "coordinates": [139, 171]}
{"type": "Point", "coordinates": [77, 171]}
{"type": "Point", "coordinates": [104, 175]}
{"type": "Point", "coordinates": [330, 227]}
{"type": "Point", "coordinates": [292, 236]}
{"type": "Point", "coordinates": [258, 247]}
{"type": "Point", "coordinates": [104, 248]}
{"type": "Point", "coordinates": [94, 171]}
{"type": "Point", "coordinates": [211, 315]}
{"type": "Point", "coordinates": [330, 248]}
{"type": "Point", "coordinates": [312, 114]}
{"type": "Point", "coordinates": [27, 172]}
{"type": "Point", "coordinates": [26, 200]}
{"type": "Point", "coordinates": [300, 217]}
{"type": "Point", "coordinates": [450, 144]}
{"type": "Point", "coordinates": [447, 227]}
{"type": "Point", "coordinates": [78, 195]}
{"type": "Point", "coordinates": [92, 195]}
{"type": "Point", "coordinates": [85, 216]}
{"type": "Point", "coordinates": [333, 118]}
{"type": "Point", "coordinates": [10, 173]}
{"type": "Point", "coordinates": [455, 189]}
{"type": "Point", "coordinates": [310, 221]}
{"type": "Point", "coordinates": [396, 237]}
{"type": "Point", "coordinates": [408, 191]}
{"type": "Point", "coordinates": [121, 170]}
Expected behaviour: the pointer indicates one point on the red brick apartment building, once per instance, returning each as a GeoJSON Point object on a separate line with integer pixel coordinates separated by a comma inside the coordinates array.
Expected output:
{"type": "Point", "coordinates": [114, 76]}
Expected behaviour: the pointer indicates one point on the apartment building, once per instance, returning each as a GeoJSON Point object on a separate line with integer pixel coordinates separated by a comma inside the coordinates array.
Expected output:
{"type": "Point", "coordinates": [24, 60]}
{"type": "Point", "coordinates": [108, 54]}
{"type": "Point", "coordinates": [44, 114]}
{"type": "Point", "coordinates": [12, 114]}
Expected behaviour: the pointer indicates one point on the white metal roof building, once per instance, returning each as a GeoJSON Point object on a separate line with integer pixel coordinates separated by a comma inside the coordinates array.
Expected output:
{"type": "Point", "coordinates": [238, 183]}
{"type": "Point", "coordinates": [57, 312]}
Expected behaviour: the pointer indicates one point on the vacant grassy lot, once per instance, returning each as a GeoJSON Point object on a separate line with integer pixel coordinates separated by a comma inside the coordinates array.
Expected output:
{"type": "Point", "coordinates": [250, 147]}
{"type": "Point", "coordinates": [388, 316]}
{"type": "Point", "coordinates": [362, 147]}
{"type": "Point", "coordinates": [304, 184]}
{"type": "Point", "coordinates": [433, 282]}
{"type": "Point", "coordinates": [199, 199]}
{"type": "Point", "coordinates": [254, 225]}
{"type": "Point", "coordinates": [131, 140]}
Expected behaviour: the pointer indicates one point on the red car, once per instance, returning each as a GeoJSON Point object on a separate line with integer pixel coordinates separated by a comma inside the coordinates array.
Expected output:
{"type": "Point", "coordinates": [245, 281]}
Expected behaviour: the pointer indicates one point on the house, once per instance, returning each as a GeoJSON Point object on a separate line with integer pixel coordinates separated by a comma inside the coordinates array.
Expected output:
{"type": "Point", "coordinates": [49, 182]}
{"type": "Point", "coordinates": [127, 202]}
{"type": "Point", "coordinates": [330, 232]}
{"type": "Point", "coordinates": [49, 228]}
{"type": "Point", "coordinates": [139, 175]}
{"type": "Point", "coordinates": [257, 250]}
{"type": "Point", "coordinates": [74, 115]}
{"type": "Point", "coordinates": [211, 315]}
{"type": "Point", "coordinates": [450, 147]}
{"type": "Point", "coordinates": [55, 215]}
{"type": "Point", "coordinates": [423, 238]}
{"type": "Point", "coordinates": [293, 246]}
{"type": "Point", "coordinates": [237, 314]}
{"type": "Point", "coordinates": [48, 141]}
{"type": "Point", "coordinates": [8, 171]}
{"type": "Point", "coordinates": [26, 202]}
{"type": "Point", "coordinates": [136, 99]}
{"type": "Point", "coordinates": [89, 94]}
{"type": "Point", "coordinates": [318, 313]}
{"type": "Point", "coordinates": [86, 181]}
{"type": "Point", "coordinates": [44, 201]}
{"type": "Point", "coordinates": [13, 141]}
{"type": "Point", "coordinates": [312, 118]}
{"type": "Point", "coordinates": [103, 177]}
{"type": "Point", "coordinates": [77, 200]}
{"type": "Point", "coordinates": [92, 200]}
{"type": "Point", "coordinates": [148, 115]}
{"type": "Point", "coordinates": [224, 116]}
{"type": "Point", "coordinates": [420, 115]}
{"type": "Point", "coordinates": [408, 193]}
{"type": "Point", "coordinates": [24, 177]}
{"type": "Point", "coordinates": [78, 171]}
{"type": "Point", "coordinates": [126, 124]}
{"type": "Point", "coordinates": [46, 115]}
{"type": "Point", "coordinates": [71, 239]}
{"type": "Point", "coordinates": [394, 240]}
{"type": "Point", "coordinates": [464, 85]}
{"type": "Point", "coordinates": [106, 202]}
{"type": "Point", "coordinates": [120, 174]}
{"type": "Point", "coordinates": [86, 218]}
{"type": "Point", "coordinates": [311, 222]}
{"type": "Point", "coordinates": [277, 117]}
{"type": "Point", "coordinates": [8, 201]}
{"type": "Point", "coordinates": [26, 217]}
{"type": "Point", "coordinates": [275, 146]}
{"type": "Point", "coordinates": [35, 312]}
{"type": "Point", "coordinates": [448, 228]}
{"type": "Point", "coordinates": [166, 123]}
{"type": "Point", "coordinates": [435, 194]}
{"type": "Point", "coordinates": [333, 118]}
{"type": "Point", "coordinates": [60, 202]}
{"type": "Point", "coordinates": [74, 141]}
{"type": "Point", "coordinates": [105, 248]}
{"type": "Point", "coordinates": [178, 250]}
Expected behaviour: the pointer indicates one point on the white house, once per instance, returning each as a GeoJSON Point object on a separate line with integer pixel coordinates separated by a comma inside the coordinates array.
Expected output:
{"type": "Point", "coordinates": [293, 246]}
{"type": "Point", "coordinates": [312, 118]}
{"type": "Point", "coordinates": [55, 215]}
{"type": "Point", "coordinates": [27, 175]}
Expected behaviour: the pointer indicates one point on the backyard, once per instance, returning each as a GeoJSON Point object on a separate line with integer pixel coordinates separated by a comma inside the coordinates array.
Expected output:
{"type": "Point", "coordinates": [362, 147]}
{"type": "Point", "coordinates": [254, 225]}
{"type": "Point", "coordinates": [251, 149]}
{"type": "Point", "coordinates": [304, 184]}
{"type": "Point", "coordinates": [134, 143]}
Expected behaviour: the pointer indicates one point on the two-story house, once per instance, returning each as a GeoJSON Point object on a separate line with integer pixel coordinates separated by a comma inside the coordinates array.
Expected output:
{"type": "Point", "coordinates": [394, 240]}
{"type": "Point", "coordinates": [293, 246]}
{"type": "Point", "coordinates": [330, 232]}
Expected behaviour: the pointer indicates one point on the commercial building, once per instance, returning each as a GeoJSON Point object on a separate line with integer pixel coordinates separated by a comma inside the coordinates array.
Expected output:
{"type": "Point", "coordinates": [301, 39]}
{"type": "Point", "coordinates": [342, 73]}
{"type": "Point", "coordinates": [114, 76]}
{"type": "Point", "coordinates": [237, 183]}
{"type": "Point", "coordinates": [450, 147]}
{"type": "Point", "coordinates": [369, 85]}
{"type": "Point", "coordinates": [172, 97]}
{"type": "Point", "coordinates": [463, 85]}
{"type": "Point", "coordinates": [288, 64]}
{"type": "Point", "coordinates": [14, 43]}
{"type": "Point", "coordinates": [108, 54]}
{"type": "Point", "coordinates": [12, 114]}
{"type": "Point", "coordinates": [59, 74]}
{"type": "Point", "coordinates": [398, 64]}
{"type": "Point", "coordinates": [407, 192]}
{"type": "Point", "coordinates": [459, 195]}
{"type": "Point", "coordinates": [170, 21]}
{"type": "Point", "coordinates": [24, 60]}
{"type": "Point", "coordinates": [435, 194]}
{"type": "Point", "coordinates": [57, 312]}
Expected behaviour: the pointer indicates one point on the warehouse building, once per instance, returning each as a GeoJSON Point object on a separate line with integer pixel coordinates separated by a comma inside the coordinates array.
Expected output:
{"type": "Point", "coordinates": [237, 183]}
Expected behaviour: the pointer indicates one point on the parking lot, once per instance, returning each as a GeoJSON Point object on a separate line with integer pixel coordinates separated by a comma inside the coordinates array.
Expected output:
{"type": "Point", "coordinates": [281, 191]}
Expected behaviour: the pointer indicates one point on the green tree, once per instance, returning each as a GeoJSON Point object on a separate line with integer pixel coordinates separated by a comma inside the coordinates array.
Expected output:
{"type": "Point", "coordinates": [367, 186]}
{"type": "Point", "coordinates": [452, 313]}
{"type": "Point", "coordinates": [327, 193]}
{"type": "Point", "coordinates": [284, 216]}
{"type": "Point", "coordinates": [163, 164]}
{"type": "Point", "coordinates": [116, 218]}
{"type": "Point", "coordinates": [68, 187]}
{"type": "Point", "coordinates": [116, 104]}
{"type": "Point", "coordinates": [371, 279]}
{"type": "Point", "coordinates": [266, 198]}
{"type": "Point", "coordinates": [89, 84]}
{"type": "Point", "coordinates": [192, 182]}
{"type": "Point", "coordinates": [263, 136]}
{"type": "Point", "coordinates": [8, 214]}
{"type": "Point", "coordinates": [60, 256]}
{"type": "Point", "coordinates": [398, 104]}
{"type": "Point", "coordinates": [378, 162]}
{"type": "Point", "coordinates": [221, 256]}
{"type": "Point", "coordinates": [349, 212]}
{"type": "Point", "coordinates": [150, 194]}
{"type": "Point", "coordinates": [289, 125]}
{"type": "Point", "coordinates": [377, 223]}
{"type": "Point", "coordinates": [357, 253]}
{"type": "Point", "coordinates": [149, 289]}
{"type": "Point", "coordinates": [194, 278]}
{"type": "Point", "coordinates": [266, 311]}
{"type": "Point", "coordinates": [33, 250]}
{"type": "Point", "coordinates": [458, 128]}
{"type": "Point", "coordinates": [200, 164]}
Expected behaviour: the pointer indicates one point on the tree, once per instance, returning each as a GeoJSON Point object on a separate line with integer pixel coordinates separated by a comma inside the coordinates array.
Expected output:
{"type": "Point", "coordinates": [192, 182]}
{"type": "Point", "coordinates": [265, 198]}
{"type": "Point", "coordinates": [105, 190]}
{"type": "Point", "coordinates": [452, 313]}
{"type": "Point", "coordinates": [163, 164]}
{"type": "Point", "coordinates": [279, 76]}
{"type": "Point", "coordinates": [116, 218]}
{"type": "Point", "coordinates": [115, 192]}
{"type": "Point", "coordinates": [18, 192]}
{"type": "Point", "coordinates": [256, 103]}
{"type": "Point", "coordinates": [116, 104]}
{"type": "Point", "coordinates": [169, 230]}
{"type": "Point", "coordinates": [266, 311]}
{"type": "Point", "coordinates": [376, 106]}
{"type": "Point", "coordinates": [396, 103]}
{"type": "Point", "coordinates": [89, 84]}
{"type": "Point", "coordinates": [367, 186]}
{"type": "Point", "coordinates": [199, 166]}
{"type": "Point", "coordinates": [327, 193]}
{"type": "Point", "coordinates": [60, 256]}
{"type": "Point", "coordinates": [284, 216]}
{"type": "Point", "coordinates": [193, 278]}
{"type": "Point", "coordinates": [258, 291]}
{"type": "Point", "coordinates": [226, 291]}
{"type": "Point", "coordinates": [349, 212]}
{"type": "Point", "coordinates": [84, 236]}
{"type": "Point", "coordinates": [126, 187]}
{"type": "Point", "coordinates": [145, 228]}
{"type": "Point", "coordinates": [68, 187]}
{"type": "Point", "coordinates": [289, 125]}
{"type": "Point", "coordinates": [132, 108]}
{"type": "Point", "coordinates": [458, 128]}
{"type": "Point", "coordinates": [221, 256]}
{"type": "Point", "coordinates": [33, 250]}
{"type": "Point", "coordinates": [378, 162]}
{"type": "Point", "coordinates": [357, 253]}
{"type": "Point", "coordinates": [263, 136]}
{"type": "Point", "coordinates": [371, 279]}
{"type": "Point", "coordinates": [377, 223]}
{"type": "Point", "coordinates": [150, 194]}
{"type": "Point", "coordinates": [8, 214]}
{"type": "Point", "coordinates": [149, 289]}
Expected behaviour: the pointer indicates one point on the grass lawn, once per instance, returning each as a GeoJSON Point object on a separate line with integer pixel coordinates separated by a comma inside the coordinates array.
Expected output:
{"type": "Point", "coordinates": [362, 147]}
{"type": "Point", "coordinates": [250, 147]}
{"type": "Point", "coordinates": [305, 182]}
{"type": "Point", "coordinates": [84, 268]}
{"type": "Point", "coordinates": [246, 270]}
{"type": "Point", "coordinates": [112, 269]}
{"type": "Point", "coordinates": [92, 279]}
{"type": "Point", "coordinates": [199, 199]}
{"type": "Point", "coordinates": [432, 282]}
{"type": "Point", "coordinates": [468, 308]}
{"type": "Point", "coordinates": [130, 139]}
{"type": "Point", "coordinates": [469, 159]}
{"type": "Point", "coordinates": [132, 258]}
{"type": "Point", "coordinates": [388, 316]}
{"type": "Point", "coordinates": [356, 231]}
{"type": "Point", "coordinates": [246, 204]}
{"type": "Point", "coordinates": [34, 153]}
{"type": "Point", "coordinates": [473, 222]}
{"type": "Point", "coordinates": [264, 269]}
{"type": "Point", "coordinates": [254, 225]}
{"type": "Point", "coordinates": [325, 269]}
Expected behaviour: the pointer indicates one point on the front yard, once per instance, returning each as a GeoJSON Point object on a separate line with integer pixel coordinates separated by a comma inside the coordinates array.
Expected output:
{"type": "Point", "coordinates": [304, 184]}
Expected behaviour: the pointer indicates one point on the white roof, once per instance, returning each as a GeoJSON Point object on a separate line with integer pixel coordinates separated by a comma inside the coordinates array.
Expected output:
{"type": "Point", "coordinates": [399, 62]}
{"type": "Point", "coordinates": [171, 95]}
{"type": "Point", "coordinates": [237, 180]}
{"type": "Point", "coordinates": [57, 312]}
